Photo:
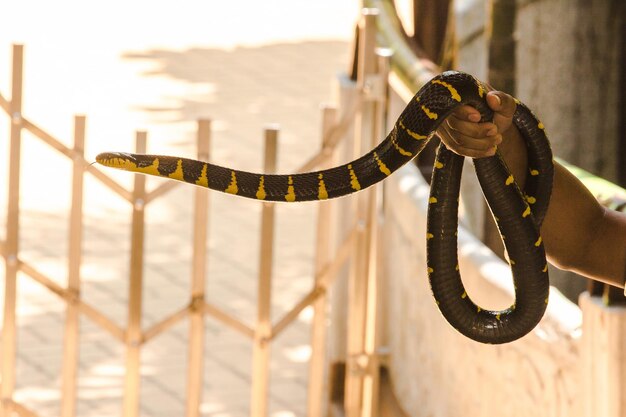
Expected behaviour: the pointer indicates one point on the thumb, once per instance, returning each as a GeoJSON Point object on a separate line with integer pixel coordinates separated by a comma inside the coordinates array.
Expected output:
{"type": "Point", "coordinates": [504, 107]}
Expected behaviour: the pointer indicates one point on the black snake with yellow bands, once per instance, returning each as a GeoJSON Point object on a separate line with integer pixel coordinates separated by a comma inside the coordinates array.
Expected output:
{"type": "Point", "coordinates": [518, 215]}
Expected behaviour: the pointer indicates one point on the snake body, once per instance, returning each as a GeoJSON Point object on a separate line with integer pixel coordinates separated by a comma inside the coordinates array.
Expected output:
{"type": "Point", "coordinates": [518, 215]}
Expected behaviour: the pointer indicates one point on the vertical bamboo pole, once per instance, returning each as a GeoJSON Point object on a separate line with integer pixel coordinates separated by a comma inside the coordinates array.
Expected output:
{"type": "Point", "coordinates": [12, 235]}
{"type": "Point", "coordinates": [133, 332]}
{"type": "Point", "coordinates": [263, 330]}
{"type": "Point", "coordinates": [358, 361]}
{"type": "Point", "coordinates": [198, 276]}
{"type": "Point", "coordinates": [371, 381]}
{"type": "Point", "coordinates": [70, 352]}
{"type": "Point", "coordinates": [348, 96]}
{"type": "Point", "coordinates": [602, 358]}
{"type": "Point", "coordinates": [317, 401]}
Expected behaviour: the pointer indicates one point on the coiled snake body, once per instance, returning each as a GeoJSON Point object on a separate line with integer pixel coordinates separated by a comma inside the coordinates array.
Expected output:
{"type": "Point", "coordinates": [518, 215]}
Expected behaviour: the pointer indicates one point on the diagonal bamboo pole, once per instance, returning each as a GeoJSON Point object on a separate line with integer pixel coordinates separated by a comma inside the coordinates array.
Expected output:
{"type": "Point", "coordinates": [324, 278]}
{"type": "Point", "coordinates": [12, 237]}
{"type": "Point", "coordinates": [263, 330]}
{"type": "Point", "coordinates": [56, 144]}
{"type": "Point", "coordinates": [108, 182]}
{"type": "Point", "coordinates": [78, 158]}
{"type": "Point", "coordinates": [198, 280]}
{"type": "Point", "coordinates": [101, 320]}
{"type": "Point", "coordinates": [332, 137]}
{"type": "Point", "coordinates": [90, 312]}
{"type": "Point", "coordinates": [47, 138]}
{"type": "Point", "coordinates": [162, 189]}
{"type": "Point", "coordinates": [160, 327]}
{"type": "Point", "coordinates": [229, 320]}
{"type": "Point", "coordinates": [21, 410]}
{"type": "Point", "coordinates": [70, 351]}
{"type": "Point", "coordinates": [4, 103]}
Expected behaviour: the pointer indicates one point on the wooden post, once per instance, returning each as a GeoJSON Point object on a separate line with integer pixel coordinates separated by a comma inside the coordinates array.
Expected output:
{"type": "Point", "coordinates": [371, 382]}
{"type": "Point", "coordinates": [263, 330]}
{"type": "Point", "coordinates": [603, 353]}
{"type": "Point", "coordinates": [12, 236]}
{"type": "Point", "coordinates": [357, 360]}
{"type": "Point", "coordinates": [70, 352]}
{"type": "Point", "coordinates": [133, 332]}
{"type": "Point", "coordinates": [317, 401]}
{"type": "Point", "coordinates": [429, 26]}
{"type": "Point", "coordinates": [198, 279]}
{"type": "Point", "coordinates": [349, 98]}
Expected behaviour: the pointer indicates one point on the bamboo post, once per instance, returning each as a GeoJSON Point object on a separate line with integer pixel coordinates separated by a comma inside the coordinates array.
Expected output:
{"type": "Point", "coordinates": [317, 401]}
{"type": "Point", "coordinates": [349, 98]}
{"type": "Point", "coordinates": [603, 357]}
{"type": "Point", "coordinates": [133, 332]}
{"type": "Point", "coordinates": [198, 277]}
{"type": "Point", "coordinates": [12, 235]}
{"type": "Point", "coordinates": [263, 330]}
{"type": "Point", "coordinates": [371, 382]}
{"type": "Point", "coordinates": [357, 361]}
{"type": "Point", "coordinates": [70, 352]}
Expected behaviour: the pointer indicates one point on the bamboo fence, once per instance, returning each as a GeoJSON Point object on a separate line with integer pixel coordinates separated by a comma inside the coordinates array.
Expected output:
{"type": "Point", "coordinates": [357, 248]}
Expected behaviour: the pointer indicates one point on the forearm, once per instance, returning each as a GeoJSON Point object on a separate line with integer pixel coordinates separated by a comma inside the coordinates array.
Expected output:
{"type": "Point", "coordinates": [605, 257]}
{"type": "Point", "coordinates": [582, 236]}
{"type": "Point", "coordinates": [579, 234]}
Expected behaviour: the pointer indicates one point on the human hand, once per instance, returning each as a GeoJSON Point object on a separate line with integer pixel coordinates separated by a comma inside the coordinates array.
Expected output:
{"type": "Point", "coordinates": [463, 133]}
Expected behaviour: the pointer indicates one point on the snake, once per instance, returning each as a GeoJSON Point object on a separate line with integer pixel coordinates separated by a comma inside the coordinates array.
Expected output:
{"type": "Point", "coordinates": [518, 213]}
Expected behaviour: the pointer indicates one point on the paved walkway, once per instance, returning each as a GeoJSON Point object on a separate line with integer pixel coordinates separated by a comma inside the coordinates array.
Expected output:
{"type": "Point", "coordinates": [143, 65]}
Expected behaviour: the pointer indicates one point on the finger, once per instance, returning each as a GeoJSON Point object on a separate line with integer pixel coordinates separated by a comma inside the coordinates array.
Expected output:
{"type": "Point", "coordinates": [472, 129]}
{"type": "Point", "coordinates": [466, 112]}
{"type": "Point", "coordinates": [481, 144]}
{"type": "Point", "coordinates": [460, 141]}
{"type": "Point", "coordinates": [471, 135]}
{"type": "Point", "coordinates": [473, 153]}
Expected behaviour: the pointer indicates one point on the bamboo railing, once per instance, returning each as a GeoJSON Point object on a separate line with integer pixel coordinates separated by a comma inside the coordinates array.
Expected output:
{"type": "Point", "coordinates": [357, 248]}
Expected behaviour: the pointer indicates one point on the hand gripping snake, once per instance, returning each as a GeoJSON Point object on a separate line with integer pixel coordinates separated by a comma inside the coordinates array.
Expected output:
{"type": "Point", "coordinates": [518, 215]}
